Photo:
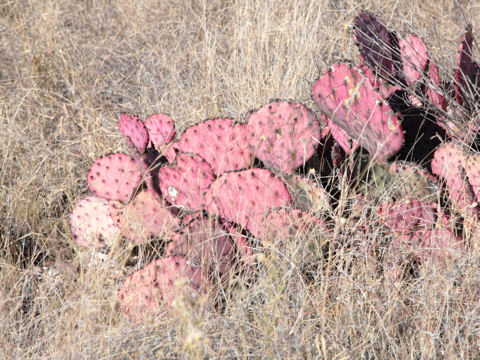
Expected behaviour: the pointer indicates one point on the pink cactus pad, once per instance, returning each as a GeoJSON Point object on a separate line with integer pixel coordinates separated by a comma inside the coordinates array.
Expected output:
{"type": "Point", "coordinates": [146, 216]}
{"type": "Point", "coordinates": [220, 142]}
{"type": "Point", "coordinates": [206, 245]}
{"type": "Point", "coordinates": [472, 170]}
{"type": "Point", "coordinates": [464, 69]}
{"type": "Point", "coordinates": [348, 98]}
{"type": "Point", "coordinates": [449, 161]}
{"type": "Point", "coordinates": [114, 177]}
{"type": "Point", "coordinates": [378, 83]}
{"type": "Point", "coordinates": [414, 56]}
{"type": "Point", "coordinates": [92, 225]}
{"type": "Point", "coordinates": [434, 87]}
{"type": "Point", "coordinates": [284, 134]}
{"type": "Point", "coordinates": [161, 130]}
{"type": "Point", "coordinates": [152, 289]}
{"type": "Point", "coordinates": [244, 197]}
{"type": "Point", "coordinates": [185, 182]}
{"type": "Point", "coordinates": [342, 138]}
{"type": "Point", "coordinates": [134, 131]}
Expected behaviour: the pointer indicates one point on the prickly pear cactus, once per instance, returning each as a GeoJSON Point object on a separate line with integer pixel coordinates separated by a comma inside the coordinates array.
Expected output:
{"type": "Point", "coordinates": [221, 142]}
{"type": "Point", "coordinates": [134, 131]}
{"type": "Point", "coordinates": [283, 134]}
{"type": "Point", "coordinates": [161, 130]}
{"type": "Point", "coordinates": [114, 177]}
{"type": "Point", "coordinates": [92, 225]}
{"type": "Point", "coordinates": [346, 96]}
{"type": "Point", "coordinates": [245, 197]}
{"type": "Point", "coordinates": [185, 182]}
{"type": "Point", "coordinates": [414, 57]}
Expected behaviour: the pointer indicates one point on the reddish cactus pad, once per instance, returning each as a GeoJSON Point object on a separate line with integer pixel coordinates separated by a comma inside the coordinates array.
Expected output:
{"type": "Point", "coordinates": [414, 56]}
{"type": "Point", "coordinates": [450, 163]}
{"type": "Point", "coordinates": [348, 98]}
{"type": "Point", "coordinates": [284, 134]}
{"type": "Point", "coordinates": [342, 138]}
{"type": "Point", "coordinates": [161, 130]}
{"type": "Point", "coordinates": [134, 131]}
{"type": "Point", "coordinates": [92, 225]}
{"type": "Point", "coordinates": [464, 61]}
{"type": "Point", "coordinates": [245, 197]}
{"type": "Point", "coordinates": [147, 291]}
{"type": "Point", "coordinates": [185, 182]}
{"type": "Point", "coordinates": [114, 177]}
{"type": "Point", "coordinates": [206, 245]}
{"type": "Point", "coordinates": [146, 216]}
{"type": "Point", "coordinates": [220, 142]}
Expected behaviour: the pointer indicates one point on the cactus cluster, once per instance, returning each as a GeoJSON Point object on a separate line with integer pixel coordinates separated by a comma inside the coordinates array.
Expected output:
{"type": "Point", "coordinates": [224, 185]}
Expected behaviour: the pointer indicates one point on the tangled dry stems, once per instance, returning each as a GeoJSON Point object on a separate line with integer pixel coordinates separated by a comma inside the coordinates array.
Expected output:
{"type": "Point", "coordinates": [66, 69]}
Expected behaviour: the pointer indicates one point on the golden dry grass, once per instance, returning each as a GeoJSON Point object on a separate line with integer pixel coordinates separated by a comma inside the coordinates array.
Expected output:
{"type": "Point", "coordinates": [67, 69]}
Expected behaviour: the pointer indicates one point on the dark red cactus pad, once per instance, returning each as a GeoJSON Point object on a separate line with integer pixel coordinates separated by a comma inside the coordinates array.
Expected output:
{"type": "Point", "coordinates": [220, 142]}
{"type": "Point", "coordinates": [464, 63]}
{"type": "Point", "coordinates": [154, 288]}
{"type": "Point", "coordinates": [91, 223]}
{"type": "Point", "coordinates": [283, 134]}
{"type": "Point", "coordinates": [185, 182]}
{"type": "Point", "coordinates": [450, 163]}
{"type": "Point", "coordinates": [134, 131]}
{"type": "Point", "coordinates": [376, 44]}
{"type": "Point", "coordinates": [161, 130]}
{"type": "Point", "coordinates": [114, 177]}
{"type": "Point", "coordinates": [346, 96]}
{"type": "Point", "coordinates": [206, 244]}
{"type": "Point", "coordinates": [414, 57]}
{"type": "Point", "coordinates": [244, 197]}
{"type": "Point", "coordinates": [145, 217]}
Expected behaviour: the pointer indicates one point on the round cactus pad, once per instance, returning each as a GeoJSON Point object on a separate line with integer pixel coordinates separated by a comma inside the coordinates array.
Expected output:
{"type": "Point", "coordinates": [245, 197]}
{"type": "Point", "coordinates": [91, 223]}
{"type": "Point", "coordinates": [134, 131]}
{"type": "Point", "coordinates": [220, 142]}
{"type": "Point", "coordinates": [284, 134]}
{"type": "Point", "coordinates": [114, 177]}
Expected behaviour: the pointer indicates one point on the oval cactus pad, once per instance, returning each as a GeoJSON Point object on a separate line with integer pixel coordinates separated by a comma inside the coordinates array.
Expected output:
{"type": "Point", "coordinates": [144, 292]}
{"type": "Point", "coordinates": [114, 177]}
{"type": "Point", "coordinates": [348, 98]}
{"type": "Point", "coordinates": [284, 134]}
{"type": "Point", "coordinates": [134, 131]}
{"type": "Point", "coordinates": [414, 56]}
{"type": "Point", "coordinates": [220, 142]}
{"type": "Point", "coordinates": [245, 197]}
{"type": "Point", "coordinates": [146, 216]}
{"type": "Point", "coordinates": [161, 130]}
{"type": "Point", "coordinates": [91, 223]}
{"type": "Point", "coordinates": [185, 182]}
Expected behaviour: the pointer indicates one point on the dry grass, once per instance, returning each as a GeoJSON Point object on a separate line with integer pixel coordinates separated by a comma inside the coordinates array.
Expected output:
{"type": "Point", "coordinates": [67, 69]}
